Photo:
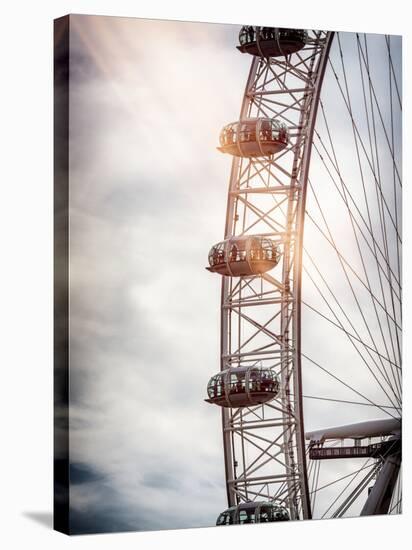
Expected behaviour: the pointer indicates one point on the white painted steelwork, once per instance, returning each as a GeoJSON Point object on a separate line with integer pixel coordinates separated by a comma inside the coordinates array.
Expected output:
{"type": "Point", "coordinates": [264, 445]}
{"type": "Point", "coordinates": [371, 428]}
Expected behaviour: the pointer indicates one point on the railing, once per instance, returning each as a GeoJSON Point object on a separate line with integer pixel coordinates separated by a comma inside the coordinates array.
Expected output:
{"type": "Point", "coordinates": [374, 450]}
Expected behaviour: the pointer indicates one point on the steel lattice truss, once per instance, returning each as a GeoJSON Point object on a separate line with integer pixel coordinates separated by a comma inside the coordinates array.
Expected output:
{"type": "Point", "coordinates": [260, 325]}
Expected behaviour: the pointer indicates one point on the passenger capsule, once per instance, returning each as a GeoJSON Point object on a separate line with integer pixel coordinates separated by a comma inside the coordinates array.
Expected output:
{"type": "Point", "coordinates": [244, 256]}
{"type": "Point", "coordinates": [271, 42]}
{"type": "Point", "coordinates": [243, 387]}
{"type": "Point", "coordinates": [253, 512]}
{"type": "Point", "coordinates": [254, 137]}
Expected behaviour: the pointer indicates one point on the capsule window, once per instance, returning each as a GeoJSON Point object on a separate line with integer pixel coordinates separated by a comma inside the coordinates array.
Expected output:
{"type": "Point", "coordinates": [268, 381]}
{"type": "Point", "coordinates": [247, 132]}
{"type": "Point", "coordinates": [266, 131]}
{"type": "Point", "coordinates": [279, 513]}
{"type": "Point", "coordinates": [265, 514]}
{"type": "Point", "coordinates": [233, 253]}
{"type": "Point", "coordinates": [217, 255]}
{"type": "Point", "coordinates": [229, 135]}
{"type": "Point", "coordinates": [263, 381]}
{"type": "Point", "coordinates": [256, 252]}
{"type": "Point", "coordinates": [247, 35]}
{"type": "Point", "coordinates": [215, 386]}
{"type": "Point", "coordinates": [237, 383]}
{"type": "Point", "coordinates": [246, 516]}
{"type": "Point", "coordinates": [268, 250]}
{"type": "Point", "coordinates": [267, 33]}
{"type": "Point", "coordinates": [225, 519]}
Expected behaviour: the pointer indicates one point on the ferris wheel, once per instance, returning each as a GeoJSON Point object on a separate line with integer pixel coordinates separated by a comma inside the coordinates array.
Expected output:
{"type": "Point", "coordinates": [311, 322]}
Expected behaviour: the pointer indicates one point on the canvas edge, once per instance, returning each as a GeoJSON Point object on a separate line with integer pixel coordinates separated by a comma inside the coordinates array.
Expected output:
{"type": "Point", "coordinates": [61, 473]}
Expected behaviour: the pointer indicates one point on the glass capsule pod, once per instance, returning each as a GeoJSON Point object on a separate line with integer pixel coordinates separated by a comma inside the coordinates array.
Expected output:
{"type": "Point", "coordinates": [253, 512]}
{"type": "Point", "coordinates": [254, 137]}
{"type": "Point", "coordinates": [271, 42]}
{"type": "Point", "coordinates": [243, 386]}
{"type": "Point", "coordinates": [244, 256]}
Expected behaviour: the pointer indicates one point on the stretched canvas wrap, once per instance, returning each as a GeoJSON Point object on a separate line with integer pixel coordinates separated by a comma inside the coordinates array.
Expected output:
{"type": "Point", "coordinates": [227, 274]}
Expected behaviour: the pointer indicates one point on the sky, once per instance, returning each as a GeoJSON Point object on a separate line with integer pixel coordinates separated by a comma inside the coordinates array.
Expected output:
{"type": "Point", "coordinates": [148, 199]}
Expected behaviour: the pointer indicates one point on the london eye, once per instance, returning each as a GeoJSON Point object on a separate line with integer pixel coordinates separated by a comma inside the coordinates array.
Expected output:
{"type": "Point", "coordinates": [309, 385]}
